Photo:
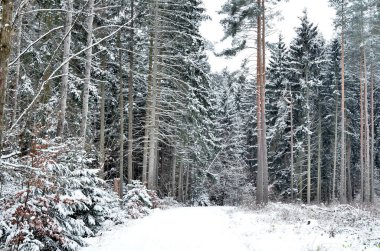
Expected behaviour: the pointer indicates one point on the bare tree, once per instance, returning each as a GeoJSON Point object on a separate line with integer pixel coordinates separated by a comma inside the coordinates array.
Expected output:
{"type": "Point", "coordinates": [65, 69]}
{"type": "Point", "coordinates": [87, 74]}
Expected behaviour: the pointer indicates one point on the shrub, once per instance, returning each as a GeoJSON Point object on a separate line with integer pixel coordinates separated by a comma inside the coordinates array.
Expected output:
{"type": "Point", "coordinates": [64, 201]}
{"type": "Point", "coordinates": [139, 201]}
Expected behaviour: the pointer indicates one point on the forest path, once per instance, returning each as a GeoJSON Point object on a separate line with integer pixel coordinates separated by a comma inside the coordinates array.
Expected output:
{"type": "Point", "coordinates": [278, 226]}
{"type": "Point", "coordinates": [177, 229]}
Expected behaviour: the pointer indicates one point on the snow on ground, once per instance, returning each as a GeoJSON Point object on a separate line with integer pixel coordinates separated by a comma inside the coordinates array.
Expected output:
{"type": "Point", "coordinates": [275, 227]}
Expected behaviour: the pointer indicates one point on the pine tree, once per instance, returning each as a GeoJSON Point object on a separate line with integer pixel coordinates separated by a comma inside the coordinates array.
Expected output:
{"type": "Point", "coordinates": [280, 120]}
{"type": "Point", "coordinates": [306, 56]}
{"type": "Point", "coordinates": [244, 15]}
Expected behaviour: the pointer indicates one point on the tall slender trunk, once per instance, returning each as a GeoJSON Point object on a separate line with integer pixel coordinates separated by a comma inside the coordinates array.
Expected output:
{"type": "Point", "coordinates": [367, 181]}
{"type": "Point", "coordinates": [342, 187]}
{"type": "Point", "coordinates": [333, 194]}
{"type": "Point", "coordinates": [147, 115]}
{"type": "Point", "coordinates": [180, 182]}
{"type": "Point", "coordinates": [263, 119]}
{"type": "Point", "coordinates": [372, 164]}
{"type": "Point", "coordinates": [102, 121]}
{"type": "Point", "coordinates": [65, 69]}
{"type": "Point", "coordinates": [157, 163]}
{"type": "Point", "coordinates": [348, 164]}
{"type": "Point", "coordinates": [361, 133]}
{"type": "Point", "coordinates": [174, 164]}
{"type": "Point", "coordinates": [157, 119]}
{"type": "Point", "coordinates": [300, 178]}
{"type": "Point", "coordinates": [18, 71]}
{"type": "Point", "coordinates": [130, 99]}
{"type": "Point", "coordinates": [291, 146]}
{"type": "Point", "coordinates": [308, 195]}
{"type": "Point", "coordinates": [259, 183]}
{"type": "Point", "coordinates": [87, 74]}
{"type": "Point", "coordinates": [152, 132]}
{"type": "Point", "coordinates": [187, 184]}
{"type": "Point", "coordinates": [5, 45]}
{"type": "Point", "coordinates": [319, 178]}
{"type": "Point", "coordinates": [121, 115]}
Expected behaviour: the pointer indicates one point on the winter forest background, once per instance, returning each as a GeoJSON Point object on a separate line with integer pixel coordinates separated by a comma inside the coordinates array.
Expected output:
{"type": "Point", "coordinates": [106, 96]}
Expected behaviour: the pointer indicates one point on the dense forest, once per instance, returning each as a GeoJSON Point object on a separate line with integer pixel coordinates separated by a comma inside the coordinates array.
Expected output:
{"type": "Point", "coordinates": [98, 98]}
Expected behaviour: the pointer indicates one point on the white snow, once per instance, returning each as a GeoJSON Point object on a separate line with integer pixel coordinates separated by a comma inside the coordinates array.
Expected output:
{"type": "Point", "coordinates": [276, 227]}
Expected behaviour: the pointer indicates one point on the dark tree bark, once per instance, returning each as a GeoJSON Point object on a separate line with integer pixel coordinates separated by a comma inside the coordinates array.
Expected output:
{"type": "Point", "coordinates": [5, 50]}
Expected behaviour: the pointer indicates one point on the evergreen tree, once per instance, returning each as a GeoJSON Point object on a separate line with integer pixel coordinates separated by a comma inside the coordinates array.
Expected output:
{"type": "Point", "coordinates": [306, 57]}
{"type": "Point", "coordinates": [279, 95]}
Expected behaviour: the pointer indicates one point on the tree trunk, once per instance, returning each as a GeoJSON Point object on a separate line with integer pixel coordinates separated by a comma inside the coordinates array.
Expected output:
{"type": "Point", "coordinates": [348, 164]}
{"type": "Point", "coordinates": [152, 132]}
{"type": "Point", "coordinates": [130, 99]}
{"type": "Point", "coordinates": [121, 114]}
{"type": "Point", "coordinates": [180, 182]}
{"type": "Point", "coordinates": [333, 194]}
{"type": "Point", "coordinates": [87, 74]}
{"type": "Point", "coordinates": [361, 134]}
{"type": "Point", "coordinates": [291, 146]}
{"type": "Point", "coordinates": [259, 183]}
{"type": "Point", "coordinates": [300, 178]}
{"type": "Point", "coordinates": [263, 120]}
{"type": "Point", "coordinates": [367, 181]}
{"type": "Point", "coordinates": [319, 179]}
{"type": "Point", "coordinates": [187, 185]}
{"type": "Point", "coordinates": [157, 161]}
{"type": "Point", "coordinates": [157, 119]}
{"type": "Point", "coordinates": [342, 187]}
{"type": "Point", "coordinates": [65, 69]}
{"type": "Point", "coordinates": [308, 140]}
{"type": "Point", "coordinates": [148, 115]}
{"type": "Point", "coordinates": [262, 165]}
{"type": "Point", "coordinates": [18, 72]}
{"type": "Point", "coordinates": [5, 50]}
{"type": "Point", "coordinates": [372, 164]}
{"type": "Point", "coordinates": [174, 164]}
{"type": "Point", "coordinates": [102, 154]}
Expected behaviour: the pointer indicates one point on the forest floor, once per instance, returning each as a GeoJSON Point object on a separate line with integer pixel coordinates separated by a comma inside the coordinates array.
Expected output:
{"type": "Point", "coordinates": [276, 227]}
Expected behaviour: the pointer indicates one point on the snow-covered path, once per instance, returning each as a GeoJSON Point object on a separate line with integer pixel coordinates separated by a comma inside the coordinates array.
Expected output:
{"type": "Point", "coordinates": [277, 227]}
{"type": "Point", "coordinates": [197, 229]}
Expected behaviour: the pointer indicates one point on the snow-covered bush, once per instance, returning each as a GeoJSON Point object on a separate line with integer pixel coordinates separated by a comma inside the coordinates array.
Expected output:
{"type": "Point", "coordinates": [139, 201]}
{"type": "Point", "coordinates": [63, 201]}
{"type": "Point", "coordinates": [170, 202]}
{"type": "Point", "coordinates": [202, 200]}
{"type": "Point", "coordinates": [39, 221]}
